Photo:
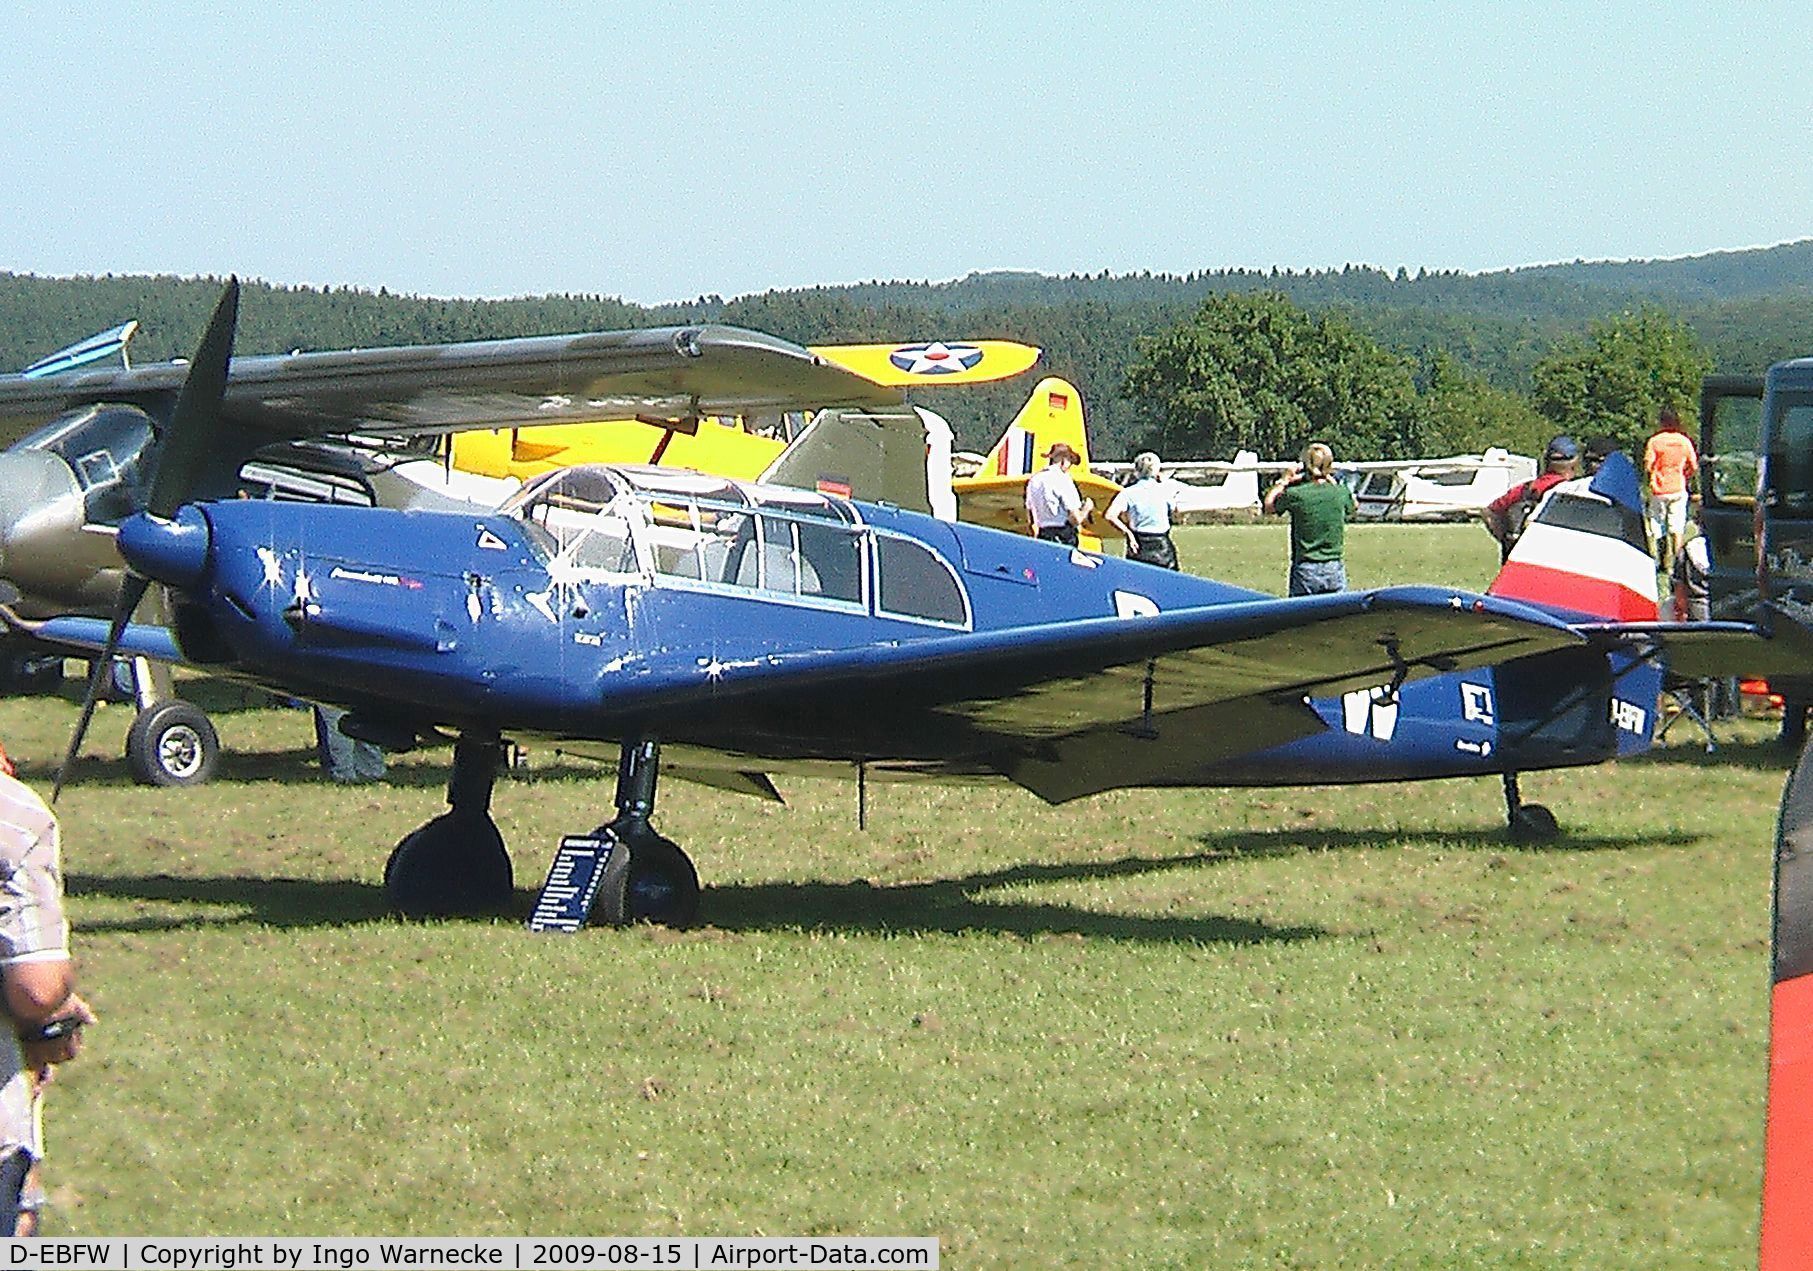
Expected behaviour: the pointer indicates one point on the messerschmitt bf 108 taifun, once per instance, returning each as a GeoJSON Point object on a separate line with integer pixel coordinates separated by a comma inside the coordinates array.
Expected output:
{"type": "Point", "coordinates": [725, 631]}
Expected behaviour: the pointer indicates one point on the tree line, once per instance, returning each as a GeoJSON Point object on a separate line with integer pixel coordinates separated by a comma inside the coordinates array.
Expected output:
{"type": "Point", "coordinates": [1382, 364]}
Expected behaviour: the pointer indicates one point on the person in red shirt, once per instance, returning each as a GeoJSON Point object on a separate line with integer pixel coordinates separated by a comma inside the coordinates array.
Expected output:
{"type": "Point", "coordinates": [1505, 515]}
{"type": "Point", "coordinates": [1669, 463]}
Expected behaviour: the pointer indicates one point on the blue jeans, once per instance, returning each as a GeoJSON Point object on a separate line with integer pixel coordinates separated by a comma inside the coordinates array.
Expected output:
{"type": "Point", "coordinates": [344, 758]}
{"type": "Point", "coordinates": [1317, 577]}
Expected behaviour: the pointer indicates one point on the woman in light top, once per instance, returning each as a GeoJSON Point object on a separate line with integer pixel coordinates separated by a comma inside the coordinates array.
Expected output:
{"type": "Point", "coordinates": [1142, 512]}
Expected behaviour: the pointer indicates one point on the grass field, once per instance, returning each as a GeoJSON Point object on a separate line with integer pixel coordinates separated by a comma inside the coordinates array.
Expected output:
{"type": "Point", "coordinates": [1304, 1028]}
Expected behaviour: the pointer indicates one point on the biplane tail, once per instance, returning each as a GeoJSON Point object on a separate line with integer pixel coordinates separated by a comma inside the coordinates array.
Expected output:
{"type": "Point", "coordinates": [1052, 414]}
{"type": "Point", "coordinates": [996, 494]}
{"type": "Point", "coordinates": [1583, 553]}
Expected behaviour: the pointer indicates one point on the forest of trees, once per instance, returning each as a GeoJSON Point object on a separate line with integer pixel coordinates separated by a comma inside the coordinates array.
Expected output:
{"type": "Point", "coordinates": [1382, 363]}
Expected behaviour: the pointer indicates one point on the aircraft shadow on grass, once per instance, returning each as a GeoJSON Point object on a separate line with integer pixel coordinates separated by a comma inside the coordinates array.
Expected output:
{"type": "Point", "coordinates": [1249, 845]}
{"type": "Point", "coordinates": [1759, 754]}
{"type": "Point", "coordinates": [946, 906]}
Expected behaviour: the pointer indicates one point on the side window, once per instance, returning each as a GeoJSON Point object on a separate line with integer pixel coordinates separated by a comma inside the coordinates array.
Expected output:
{"type": "Point", "coordinates": [604, 544]}
{"type": "Point", "coordinates": [915, 583]}
{"type": "Point", "coordinates": [834, 555]}
{"type": "Point", "coordinates": [1791, 461]}
{"type": "Point", "coordinates": [774, 561]}
{"type": "Point", "coordinates": [1737, 435]}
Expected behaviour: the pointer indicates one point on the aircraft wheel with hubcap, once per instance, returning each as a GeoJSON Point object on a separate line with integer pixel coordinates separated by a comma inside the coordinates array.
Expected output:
{"type": "Point", "coordinates": [453, 867]}
{"type": "Point", "coordinates": [172, 744]}
{"type": "Point", "coordinates": [1533, 823]}
{"type": "Point", "coordinates": [658, 884]}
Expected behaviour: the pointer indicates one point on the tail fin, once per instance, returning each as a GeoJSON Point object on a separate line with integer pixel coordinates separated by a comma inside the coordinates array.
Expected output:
{"type": "Point", "coordinates": [84, 352]}
{"type": "Point", "coordinates": [1583, 551]}
{"type": "Point", "coordinates": [1053, 413]}
{"type": "Point", "coordinates": [874, 455]}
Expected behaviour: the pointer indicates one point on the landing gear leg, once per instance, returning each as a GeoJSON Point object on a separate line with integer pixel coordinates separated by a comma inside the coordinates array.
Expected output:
{"type": "Point", "coordinates": [653, 880]}
{"type": "Point", "coordinates": [456, 866]}
{"type": "Point", "coordinates": [1529, 822]}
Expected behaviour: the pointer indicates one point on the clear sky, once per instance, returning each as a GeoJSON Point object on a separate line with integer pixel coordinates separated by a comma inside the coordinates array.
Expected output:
{"type": "Point", "coordinates": [664, 151]}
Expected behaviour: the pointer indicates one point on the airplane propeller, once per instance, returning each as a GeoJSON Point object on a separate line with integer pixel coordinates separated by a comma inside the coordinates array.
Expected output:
{"type": "Point", "coordinates": [194, 426]}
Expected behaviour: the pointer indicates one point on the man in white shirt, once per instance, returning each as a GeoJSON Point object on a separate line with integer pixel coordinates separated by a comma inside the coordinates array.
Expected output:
{"type": "Point", "coordinates": [37, 981]}
{"type": "Point", "coordinates": [1055, 508]}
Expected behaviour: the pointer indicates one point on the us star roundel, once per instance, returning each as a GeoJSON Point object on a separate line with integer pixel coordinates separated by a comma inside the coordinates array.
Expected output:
{"type": "Point", "coordinates": [936, 358]}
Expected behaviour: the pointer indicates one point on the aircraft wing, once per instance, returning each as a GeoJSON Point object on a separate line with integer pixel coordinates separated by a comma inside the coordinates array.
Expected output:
{"type": "Point", "coordinates": [676, 373]}
{"type": "Point", "coordinates": [1711, 650]}
{"type": "Point", "coordinates": [1075, 708]}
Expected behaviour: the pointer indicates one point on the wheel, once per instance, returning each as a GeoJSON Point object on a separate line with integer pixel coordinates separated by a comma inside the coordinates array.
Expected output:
{"type": "Point", "coordinates": [453, 867]}
{"type": "Point", "coordinates": [172, 744]}
{"type": "Point", "coordinates": [1534, 824]}
{"type": "Point", "coordinates": [658, 884]}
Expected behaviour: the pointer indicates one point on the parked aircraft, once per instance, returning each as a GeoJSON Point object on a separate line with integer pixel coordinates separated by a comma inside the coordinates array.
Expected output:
{"type": "Point", "coordinates": [725, 631]}
{"type": "Point", "coordinates": [65, 487]}
{"type": "Point", "coordinates": [1453, 489]}
{"type": "Point", "coordinates": [1209, 490]}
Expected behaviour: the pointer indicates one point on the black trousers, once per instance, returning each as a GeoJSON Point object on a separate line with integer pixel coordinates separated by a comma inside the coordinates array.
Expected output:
{"type": "Point", "coordinates": [1153, 549]}
{"type": "Point", "coordinates": [1065, 534]}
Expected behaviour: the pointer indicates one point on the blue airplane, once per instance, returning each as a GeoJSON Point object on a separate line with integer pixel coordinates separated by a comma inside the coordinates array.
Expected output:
{"type": "Point", "coordinates": [724, 631]}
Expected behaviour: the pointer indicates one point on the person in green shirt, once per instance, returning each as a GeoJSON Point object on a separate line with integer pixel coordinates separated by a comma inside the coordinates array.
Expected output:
{"type": "Point", "coordinates": [1318, 505]}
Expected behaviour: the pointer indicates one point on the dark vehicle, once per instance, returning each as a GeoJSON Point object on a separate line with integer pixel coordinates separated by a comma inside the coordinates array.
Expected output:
{"type": "Point", "coordinates": [1756, 485]}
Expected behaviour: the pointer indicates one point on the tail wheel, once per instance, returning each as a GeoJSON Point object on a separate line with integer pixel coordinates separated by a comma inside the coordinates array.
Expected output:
{"type": "Point", "coordinates": [1534, 823]}
{"type": "Point", "coordinates": [172, 744]}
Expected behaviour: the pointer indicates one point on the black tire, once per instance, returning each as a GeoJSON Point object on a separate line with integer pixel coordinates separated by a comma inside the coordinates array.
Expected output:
{"type": "Point", "coordinates": [453, 867]}
{"type": "Point", "coordinates": [1535, 824]}
{"type": "Point", "coordinates": [172, 744]}
{"type": "Point", "coordinates": [658, 885]}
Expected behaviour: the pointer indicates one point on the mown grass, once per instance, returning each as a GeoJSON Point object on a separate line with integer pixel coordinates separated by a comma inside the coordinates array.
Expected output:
{"type": "Point", "coordinates": [1332, 1027]}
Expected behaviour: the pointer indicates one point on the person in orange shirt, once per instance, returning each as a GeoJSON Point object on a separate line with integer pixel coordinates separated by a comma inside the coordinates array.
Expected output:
{"type": "Point", "coordinates": [1669, 463]}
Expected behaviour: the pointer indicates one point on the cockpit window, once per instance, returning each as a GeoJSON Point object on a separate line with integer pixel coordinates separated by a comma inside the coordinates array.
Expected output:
{"type": "Point", "coordinates": [917, 583]}
{"type": "Point", "coordinates": [104, 447]}
{"type": "Point", "coordinates": [1593, 514]}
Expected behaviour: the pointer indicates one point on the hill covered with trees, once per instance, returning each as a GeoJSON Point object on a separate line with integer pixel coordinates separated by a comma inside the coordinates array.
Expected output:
{"type": "Point", "coordinates": [1479, 338]}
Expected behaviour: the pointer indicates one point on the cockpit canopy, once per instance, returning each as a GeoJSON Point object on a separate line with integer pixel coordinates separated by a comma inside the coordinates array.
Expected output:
{"type": "Point", "coordinates": [106, 448]}
{"type": "Point", "coordinates": [691, 529]}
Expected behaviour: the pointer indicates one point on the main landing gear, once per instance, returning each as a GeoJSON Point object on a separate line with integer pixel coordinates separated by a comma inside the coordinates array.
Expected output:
{"type": "Point", "coordinates": [1529, 822]}
{"type": "Point", "coordinates": [456, 866]}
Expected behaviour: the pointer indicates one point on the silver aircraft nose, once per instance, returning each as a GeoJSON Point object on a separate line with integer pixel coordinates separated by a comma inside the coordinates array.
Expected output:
{"type": "Point", "coordinates": [43, 547]}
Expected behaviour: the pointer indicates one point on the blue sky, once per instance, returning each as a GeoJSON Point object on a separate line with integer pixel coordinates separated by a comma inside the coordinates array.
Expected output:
{"type": "Point", "coordinates": [660, 152]}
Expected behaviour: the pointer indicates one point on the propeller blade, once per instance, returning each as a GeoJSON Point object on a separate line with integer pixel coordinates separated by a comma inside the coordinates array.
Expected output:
{"type": "Point", "coordinates": [131, 592]}
{"type": "Point", "coordinates": [194, 424]}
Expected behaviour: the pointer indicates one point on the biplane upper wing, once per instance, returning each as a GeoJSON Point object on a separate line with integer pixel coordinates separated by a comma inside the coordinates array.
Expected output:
{"type": "Point", "coordinates": [676, 373]}
{"type": "Point", "coordinates": [934, 364]}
